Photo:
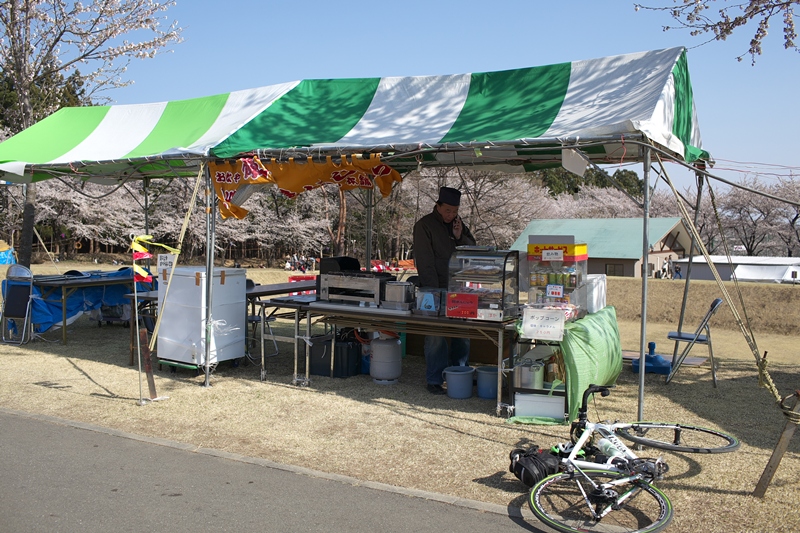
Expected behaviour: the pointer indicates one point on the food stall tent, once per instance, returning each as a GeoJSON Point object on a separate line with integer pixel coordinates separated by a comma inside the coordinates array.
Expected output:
{"type": "Point", "coordinates": [608, 110]}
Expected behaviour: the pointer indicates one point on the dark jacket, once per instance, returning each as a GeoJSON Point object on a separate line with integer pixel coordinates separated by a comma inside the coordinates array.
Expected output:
{"type": "Point", "coordinates": [434, 243]}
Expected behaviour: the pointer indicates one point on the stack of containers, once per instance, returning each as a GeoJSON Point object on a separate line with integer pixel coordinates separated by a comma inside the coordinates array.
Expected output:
{"type": "Point", "coordinates": [556, 273]}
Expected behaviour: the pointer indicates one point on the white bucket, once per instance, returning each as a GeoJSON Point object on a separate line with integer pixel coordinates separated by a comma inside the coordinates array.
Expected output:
{"type": "Point", "coordinates": [386, 361]}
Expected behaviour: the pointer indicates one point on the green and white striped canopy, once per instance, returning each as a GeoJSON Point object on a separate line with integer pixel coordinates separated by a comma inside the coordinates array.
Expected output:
{"type": "Point", "coordinates": [519, 119]}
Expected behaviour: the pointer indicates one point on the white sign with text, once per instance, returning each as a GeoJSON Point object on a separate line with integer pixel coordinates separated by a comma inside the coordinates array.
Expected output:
{"type": "Point", "coordinates": [544, 324]}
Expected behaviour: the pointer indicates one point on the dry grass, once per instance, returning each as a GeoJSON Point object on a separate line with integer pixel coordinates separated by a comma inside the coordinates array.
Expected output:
{"type": "Point", "coordinates": [404, 436]}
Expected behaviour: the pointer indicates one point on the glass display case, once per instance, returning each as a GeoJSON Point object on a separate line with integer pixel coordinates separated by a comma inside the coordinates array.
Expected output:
{"type": "Point", "coordinates": [483, 283]}
{"type": "Point", "coordinates": [556, 273]}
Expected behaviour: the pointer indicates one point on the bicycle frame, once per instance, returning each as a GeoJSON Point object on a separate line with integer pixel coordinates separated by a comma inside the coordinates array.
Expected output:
{"type": "Point", "coordinates": [572, 464]}
{"type": "Point", "coordinates": [605, 431]}
{"type": "Point", "coordinates": [611, 477]}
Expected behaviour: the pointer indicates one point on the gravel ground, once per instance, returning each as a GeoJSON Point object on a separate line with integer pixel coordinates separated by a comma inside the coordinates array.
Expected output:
{"type": "Point", "coordinates": [402, 435]}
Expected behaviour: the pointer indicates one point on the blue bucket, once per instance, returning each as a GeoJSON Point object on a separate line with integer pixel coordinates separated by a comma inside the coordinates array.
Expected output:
{"type": "Point", "coordinates": [487, 382]}
{"type": "Point", "coordinates": [459, 381]}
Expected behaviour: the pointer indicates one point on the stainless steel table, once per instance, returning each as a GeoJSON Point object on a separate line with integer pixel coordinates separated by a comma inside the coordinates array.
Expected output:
{"type": "Point", "coordinates": [299, 312]}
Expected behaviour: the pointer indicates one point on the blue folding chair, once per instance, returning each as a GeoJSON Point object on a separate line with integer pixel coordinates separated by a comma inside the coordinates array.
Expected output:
{"type": "Point", "coordinates": [702, 335]}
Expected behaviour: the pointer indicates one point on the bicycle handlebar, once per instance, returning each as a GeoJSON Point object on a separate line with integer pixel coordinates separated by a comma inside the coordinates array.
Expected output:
{"type": "Point", "coordinates": [591, 389]}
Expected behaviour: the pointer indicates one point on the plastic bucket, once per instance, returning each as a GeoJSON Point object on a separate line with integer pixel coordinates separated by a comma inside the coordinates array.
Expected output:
{"type": "Point", "coordinates": [459, 381]}
{"type": "Point", "coordinates": [487, 382]}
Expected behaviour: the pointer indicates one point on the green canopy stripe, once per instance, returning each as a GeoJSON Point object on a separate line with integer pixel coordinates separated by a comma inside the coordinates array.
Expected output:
{"type": "Point", "coordinates": [46, 141]}
{"type": "Point", "coordinates": [410, 110]}
{"type": "Point", "coordinates": [684, 123]}
{"type": "Point", "coordinates": [181, 124]}
{"type": "Point", "coordinates": [122, 128]}
{"type": "Point", "coordinates": [314, 112]}
{"type": "Point", "coordinates": [511, 104]}
{"type": "Point", "coordinates": [240, 108]}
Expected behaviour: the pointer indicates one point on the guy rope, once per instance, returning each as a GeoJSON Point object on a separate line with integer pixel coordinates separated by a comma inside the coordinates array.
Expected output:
{"type": "Point", "coordinates": [791, 412]}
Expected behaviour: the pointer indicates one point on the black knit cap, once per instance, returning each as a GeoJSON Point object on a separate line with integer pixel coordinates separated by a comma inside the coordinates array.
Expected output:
{"type": "Point", "coordinates": [449, 196]}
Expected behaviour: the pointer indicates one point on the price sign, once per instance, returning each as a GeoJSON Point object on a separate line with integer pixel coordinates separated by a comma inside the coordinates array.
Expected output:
{"type": "Point", "coordinates": [543, 324]}
{"type": "Point", "coordinates": [552, 255]}
{"type": "Point", "coordinates": [165, 262]}
{"type": "Point", "coordinates": [462, 305]}
{"type": "Point", "coordinates": [554, 291]}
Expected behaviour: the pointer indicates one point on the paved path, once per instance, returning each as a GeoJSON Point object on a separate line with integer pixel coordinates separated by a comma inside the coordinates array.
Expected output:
{"type": "Point", "coordinates": [64, 476]}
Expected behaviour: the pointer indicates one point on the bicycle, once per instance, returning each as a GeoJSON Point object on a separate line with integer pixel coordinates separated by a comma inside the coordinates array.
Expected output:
{"type": "Point", "coordinates": [615, 491]}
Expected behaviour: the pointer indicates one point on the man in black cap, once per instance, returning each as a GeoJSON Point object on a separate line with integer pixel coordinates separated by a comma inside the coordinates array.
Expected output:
{"type": "Point", "coordinates": [436, 236]}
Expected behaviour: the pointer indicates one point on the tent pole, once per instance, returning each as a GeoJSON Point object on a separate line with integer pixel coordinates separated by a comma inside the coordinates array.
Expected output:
{"type": "Point", "coordinates": [145, 184]}
{"type": "Point", "coordinates": [210, 229]}
{"type": "Point", "coordinates": [645, 263]}
{"type": "Point", "coordinates": [700, 180]}
{"type": "Point", "coordinates": [368, 248]}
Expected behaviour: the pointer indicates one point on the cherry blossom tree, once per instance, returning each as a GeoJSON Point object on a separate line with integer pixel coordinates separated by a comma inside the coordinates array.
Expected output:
{"type": "Point", "coordinates": [42, 41]}
{"type": "Point", "coordinates": [699, 17]}
{"type": "Point", "coordinates": [789, 215]}
{"type": "Point", "coordinates": [751, 219]}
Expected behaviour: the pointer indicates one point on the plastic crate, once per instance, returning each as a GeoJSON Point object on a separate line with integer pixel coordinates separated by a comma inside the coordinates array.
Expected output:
{"type": "Point", "coordinates": [346, 363]}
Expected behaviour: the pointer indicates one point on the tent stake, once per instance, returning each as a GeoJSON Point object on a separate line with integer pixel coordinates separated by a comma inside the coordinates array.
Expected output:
{"type": "Point", "coordinates": [777, 453]}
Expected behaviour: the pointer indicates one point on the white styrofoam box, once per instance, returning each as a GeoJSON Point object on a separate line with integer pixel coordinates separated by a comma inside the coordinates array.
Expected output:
{"type": "Point", "coordinates": [539, 405]}
{"type": "Point", "coordinates": [181, 335]}
{"type": "Point", "coordinates": [595, 292]}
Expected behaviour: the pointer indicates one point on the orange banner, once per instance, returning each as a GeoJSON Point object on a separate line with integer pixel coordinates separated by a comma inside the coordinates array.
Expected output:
{"type": "Point", "coordinates": [229, 176]}
{"type": "Point", "coordinates": [294, 177]}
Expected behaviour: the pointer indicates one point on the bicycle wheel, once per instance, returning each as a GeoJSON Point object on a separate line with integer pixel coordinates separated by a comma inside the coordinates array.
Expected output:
{"type": "Point", "coordinates": [678, 438]}
{"type": "Point", "coordinates": [560, 501]}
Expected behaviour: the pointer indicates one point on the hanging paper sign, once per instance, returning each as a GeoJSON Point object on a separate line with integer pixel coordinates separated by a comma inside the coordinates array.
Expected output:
{"type": "Point", "coordinates": [543, 324]}
{"type": "Point", "coordinates": [552, 255]}
{"type": "Point", "coordinates": [165, 264]}
{"type": "Point", "coordinates": [166, 261]}
{"type": "Point", "coordinates": [554, 291]}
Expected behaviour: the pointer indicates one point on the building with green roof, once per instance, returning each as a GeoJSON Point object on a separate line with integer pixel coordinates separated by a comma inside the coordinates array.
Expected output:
{"type": "Point", "coordinates": [615, 244]}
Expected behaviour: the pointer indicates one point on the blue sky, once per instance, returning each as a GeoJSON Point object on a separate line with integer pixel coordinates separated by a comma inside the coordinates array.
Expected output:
{"type": "Point", "coordinates": [747, 113]}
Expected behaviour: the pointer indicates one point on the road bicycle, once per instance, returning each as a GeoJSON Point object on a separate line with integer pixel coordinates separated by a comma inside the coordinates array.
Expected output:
{"type": "Point", "coordinates": [602, 486]}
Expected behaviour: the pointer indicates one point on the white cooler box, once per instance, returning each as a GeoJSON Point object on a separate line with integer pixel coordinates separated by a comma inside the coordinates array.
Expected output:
{"type": "Point", "coordinates": [181, 335]}
{"type": "Point", "coordinates": [539, 405]}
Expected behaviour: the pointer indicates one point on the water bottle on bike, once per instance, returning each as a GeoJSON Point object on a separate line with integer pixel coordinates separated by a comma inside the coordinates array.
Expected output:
{"type": "Point", "coordinates": [607, 448]}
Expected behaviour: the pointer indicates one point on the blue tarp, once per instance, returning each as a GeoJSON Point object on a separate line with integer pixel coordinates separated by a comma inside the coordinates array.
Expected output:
{"type": "Point", "coordinates": [7, 257]}
{"type": "Point", "coordinates": [46, 312]}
